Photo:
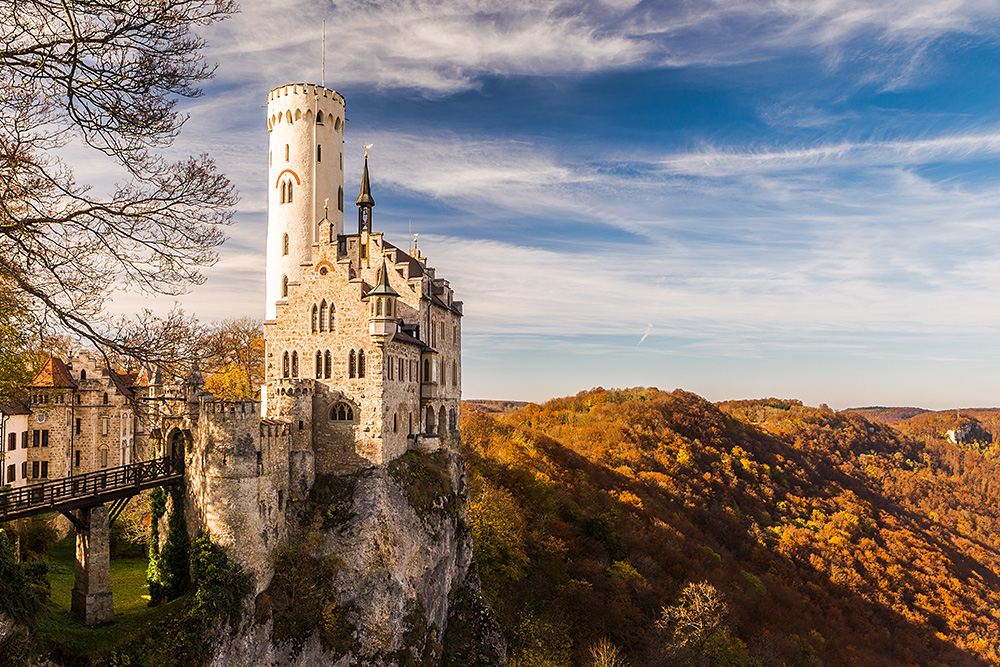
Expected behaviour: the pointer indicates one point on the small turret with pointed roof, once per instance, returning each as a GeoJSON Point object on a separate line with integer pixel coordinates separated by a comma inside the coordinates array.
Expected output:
{"type": "Point", "coordinates": [382, 317]}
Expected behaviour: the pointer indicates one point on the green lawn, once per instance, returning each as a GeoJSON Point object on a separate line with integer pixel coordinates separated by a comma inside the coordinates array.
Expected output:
{"type": "Point", "coordinates": [128, 579]}
{"type": "Point", "coordinates": [63, 635]}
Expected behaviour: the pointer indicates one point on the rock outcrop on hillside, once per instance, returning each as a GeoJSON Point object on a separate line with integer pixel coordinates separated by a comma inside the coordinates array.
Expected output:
{"type": "Point", "coordinates": [378, 570]}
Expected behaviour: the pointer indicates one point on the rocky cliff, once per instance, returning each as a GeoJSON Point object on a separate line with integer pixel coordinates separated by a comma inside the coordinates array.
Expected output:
{"type": "Point", "coordinates": [378, 570]}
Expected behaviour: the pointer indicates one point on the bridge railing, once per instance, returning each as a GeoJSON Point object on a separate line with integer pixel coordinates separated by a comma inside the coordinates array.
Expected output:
{"type": "Point", "coordinates": [58, 492]}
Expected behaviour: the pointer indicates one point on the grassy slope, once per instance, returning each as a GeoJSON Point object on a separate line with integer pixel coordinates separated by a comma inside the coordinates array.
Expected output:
{"type": "Point", "coordinates": [835, 539]}
{"type": "Point", "coordinates": [61, 634]}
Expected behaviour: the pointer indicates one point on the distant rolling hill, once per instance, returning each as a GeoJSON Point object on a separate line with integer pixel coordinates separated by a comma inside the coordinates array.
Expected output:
{"type": "Point", "coordinates": [660, 528]}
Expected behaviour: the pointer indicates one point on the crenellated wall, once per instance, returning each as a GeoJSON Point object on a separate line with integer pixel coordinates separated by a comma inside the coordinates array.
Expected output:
{"type": "Point", "coordinates": [238, 481]}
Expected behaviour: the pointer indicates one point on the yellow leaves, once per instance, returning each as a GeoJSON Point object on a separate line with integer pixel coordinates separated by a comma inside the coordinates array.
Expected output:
{"type": "Point", "coordinates": [624, 570]}
{"type": "Point", "coordinates": [231, 382]}
{"type": "Point", "coordinates": [628, 498]}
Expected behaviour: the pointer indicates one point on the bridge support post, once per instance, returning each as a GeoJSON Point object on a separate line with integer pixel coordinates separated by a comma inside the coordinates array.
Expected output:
{"type": "Point", "coordinates": [92, 584]}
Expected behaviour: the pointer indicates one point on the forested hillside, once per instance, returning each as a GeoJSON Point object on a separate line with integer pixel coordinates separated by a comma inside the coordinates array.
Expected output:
{"type": "Point", "coordinates": [658, 528]}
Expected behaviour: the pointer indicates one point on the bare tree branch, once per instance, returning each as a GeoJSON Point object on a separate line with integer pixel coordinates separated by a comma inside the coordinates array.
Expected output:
{"type": "Point", "coordinates": [106, 73]}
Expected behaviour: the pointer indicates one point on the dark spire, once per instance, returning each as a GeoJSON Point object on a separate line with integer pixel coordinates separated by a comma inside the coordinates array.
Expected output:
{"type": "Point", "coordinates": [365, 198]}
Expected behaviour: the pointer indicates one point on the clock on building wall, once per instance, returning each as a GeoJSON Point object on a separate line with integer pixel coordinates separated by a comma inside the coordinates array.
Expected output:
{"type": "Point", "coordinates": [41, 417]}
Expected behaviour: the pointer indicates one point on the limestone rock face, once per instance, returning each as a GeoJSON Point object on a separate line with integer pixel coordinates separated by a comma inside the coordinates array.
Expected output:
{"type": "Point", "coordinates": [398, 582]}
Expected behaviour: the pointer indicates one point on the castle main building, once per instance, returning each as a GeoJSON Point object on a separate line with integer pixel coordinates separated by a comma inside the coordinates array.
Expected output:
{"type": "Point", "coordinates": [362, 357]}
{"type": "Point", "coordinates": [363, 341]}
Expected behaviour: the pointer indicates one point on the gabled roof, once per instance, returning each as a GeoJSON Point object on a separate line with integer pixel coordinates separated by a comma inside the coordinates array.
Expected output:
{"type": "Point", "coordinates": [408, 339]}
{"type": "Point", "coordinates": [415, 267]}
{"type": "Point", "coordinates": [53, 374]}
{"type": "Point", "coordinates": [122, 382]}
{"type": "Point", "coordinates": [15, 407]}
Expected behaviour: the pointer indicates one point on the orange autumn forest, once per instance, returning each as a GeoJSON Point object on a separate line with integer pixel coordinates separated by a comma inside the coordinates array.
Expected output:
{"type": "Point", "coordinates": [640, 526]}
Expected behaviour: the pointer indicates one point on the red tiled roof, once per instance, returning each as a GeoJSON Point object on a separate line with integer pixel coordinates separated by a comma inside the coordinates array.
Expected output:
{"type": "Point", "coordinates": [53, 374]}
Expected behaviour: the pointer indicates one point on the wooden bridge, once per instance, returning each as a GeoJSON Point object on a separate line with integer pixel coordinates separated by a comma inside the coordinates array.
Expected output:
{"type": "Point", "coordinates": [114, 485]}
{"type": "Point", "coordinates": [88, 493]}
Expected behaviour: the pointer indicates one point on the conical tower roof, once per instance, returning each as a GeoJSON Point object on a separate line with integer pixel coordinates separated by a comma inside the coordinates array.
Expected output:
{"type": "Point", "coordinates": [383, 288]}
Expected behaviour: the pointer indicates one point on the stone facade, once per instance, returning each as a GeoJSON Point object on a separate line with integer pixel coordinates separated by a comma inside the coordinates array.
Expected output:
{"type": "Point", "coordinates": [82, 419]}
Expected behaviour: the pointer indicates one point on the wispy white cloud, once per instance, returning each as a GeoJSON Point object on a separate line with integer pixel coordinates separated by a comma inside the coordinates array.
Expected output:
{"type": "Point", "coordinates": [715, 162]}
{"type": "Point", "coordinates": [441, 47]}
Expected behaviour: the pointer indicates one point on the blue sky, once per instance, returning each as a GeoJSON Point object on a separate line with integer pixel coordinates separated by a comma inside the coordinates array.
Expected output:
{"type": "Point", "coordinates": [793, 198]}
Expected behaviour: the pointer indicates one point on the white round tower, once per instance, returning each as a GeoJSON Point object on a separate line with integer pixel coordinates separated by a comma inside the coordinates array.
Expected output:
{"type": "Point", "coordinates": [305, 168]}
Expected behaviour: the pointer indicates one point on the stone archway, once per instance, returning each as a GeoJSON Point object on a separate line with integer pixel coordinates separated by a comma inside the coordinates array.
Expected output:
{"type": "Point", "coordinates": [175, 447]}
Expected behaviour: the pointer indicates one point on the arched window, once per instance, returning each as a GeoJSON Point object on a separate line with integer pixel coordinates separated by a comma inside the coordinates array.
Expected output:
{"type": "Point", "coordinates": [327, 365]}
{"type": "Point", "coordinates": [361, 363]}
{"type": "Point", "coordinates": [289, 192]}
{"type": "Point", "coordinates": [284, 244]}
{"type": "Point", "coordinates": [352, 365]}
{"type": "Point", "coordinates": [295, 364]}
{"type": "Point", "coordinates": [330, 322]}
{"type": "Point", "coordinates": [83, 373]}
{"type": "Point", "coordinates": [388, 307]}
{"type": "Point", "coordinates": [336, 123]}
{"type": "Point", "coordinates": [341, 413]}
{"type": "Point", "coordinates": [340, 199]}
{"type": "Point", "coordinates": [378, 306]}
{"type": "Point", "coordinates": [429, 426]}
{"type": "Point", "coordinates": [105, 398]}
{"type": "Point", "coordinates": [442, 416]}
{"type": "Point", "coordinates": [319, 364]}
{"type": "Point", "coordinates": [286, 152]}
{"type": "Point", "coordinates": [284, 285]}
{"type": "Point", "coordinates": [315, 318]}
{"type": "Point", "coordinates": [427, 371]}
{"type": "Point", "coordinates": [319, 117]}
{"type": "Point", "coordinates": [451, 419]}
{"type": "Point", "coordinates": [298, 114]}
{"type": "Point", "coordinates": [285, 367]}
{"type": "Point", "coordinates": [322, 315]}
{"type": "Point", "coordinates": [284, 197]}
{"type": "Point", "coordinates": [288, 117]}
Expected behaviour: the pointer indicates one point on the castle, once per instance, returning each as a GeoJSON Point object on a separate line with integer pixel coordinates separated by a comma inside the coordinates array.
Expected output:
{"type": "Point", "coordinates": [362, 360]}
